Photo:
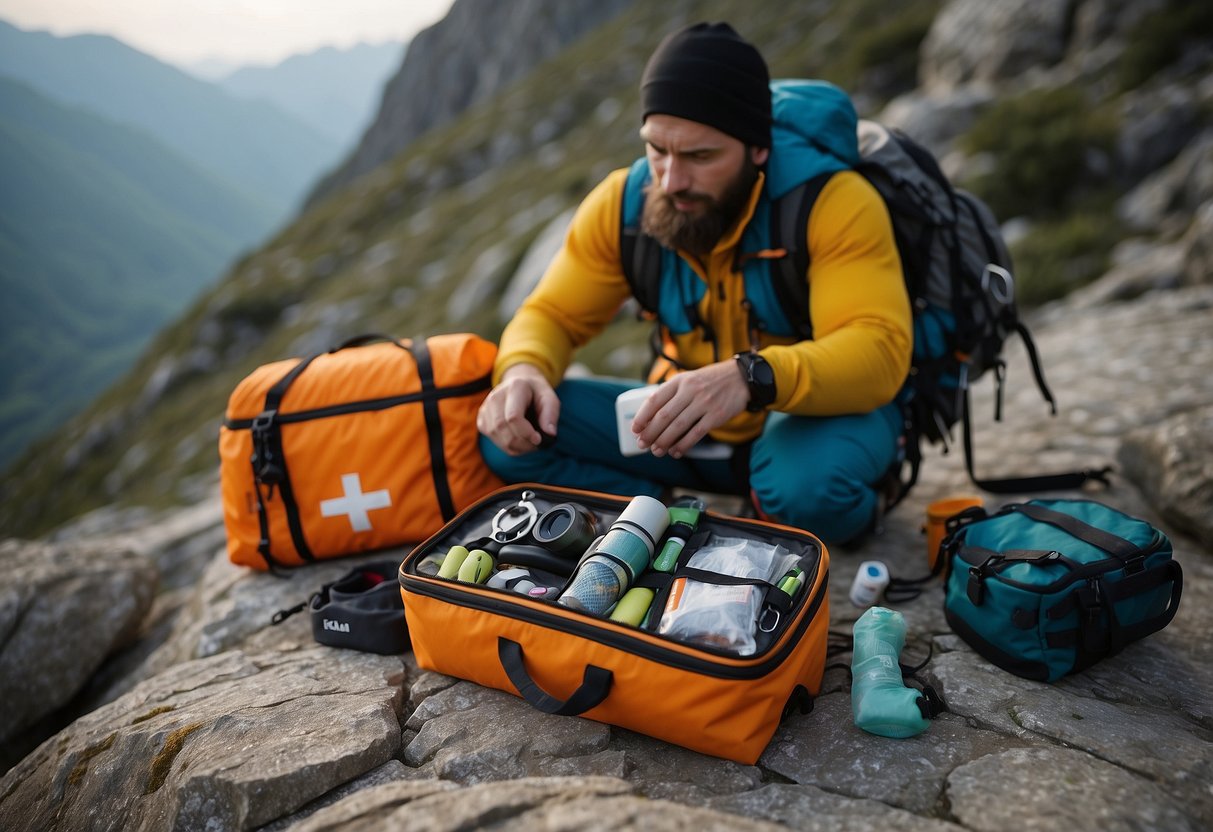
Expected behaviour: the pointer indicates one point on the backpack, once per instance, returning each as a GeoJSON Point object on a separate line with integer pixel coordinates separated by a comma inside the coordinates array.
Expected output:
{"type": "Point", "coordinates": [959, 277]}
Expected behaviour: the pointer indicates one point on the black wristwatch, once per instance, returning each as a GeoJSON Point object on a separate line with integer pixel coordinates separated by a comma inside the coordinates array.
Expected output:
{"type": "Point", "coordinates": [759, 377]}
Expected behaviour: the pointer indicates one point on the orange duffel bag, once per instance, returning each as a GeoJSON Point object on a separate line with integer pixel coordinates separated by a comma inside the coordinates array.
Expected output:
{"type": "Point", "coordinates": [371, 444]}
{"type": "Point", "coordinates": [716, 676]}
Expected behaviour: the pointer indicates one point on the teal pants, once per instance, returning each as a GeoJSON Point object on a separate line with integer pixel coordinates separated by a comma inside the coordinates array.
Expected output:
{"type": "Point", "coordinates": [816, 473]}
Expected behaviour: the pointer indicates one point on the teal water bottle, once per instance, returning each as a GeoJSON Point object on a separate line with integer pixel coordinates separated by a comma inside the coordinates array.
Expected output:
{"type": "Point", "coordinates": [880, 701]}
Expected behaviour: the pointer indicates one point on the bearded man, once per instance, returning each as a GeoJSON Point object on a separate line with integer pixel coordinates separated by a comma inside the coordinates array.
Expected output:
{"type": "Point", "coordinates": [809, 421]}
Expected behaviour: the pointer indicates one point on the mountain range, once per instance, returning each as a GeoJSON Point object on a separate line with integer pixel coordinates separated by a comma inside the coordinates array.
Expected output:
{"type": "Point", "coordinates": [127, 187]}
{"type": "Point", "coordinates": [334, 91]}
{"type": "Point", "coordinates": [253, 145]}
{"type": "Point", "coordinates": [1093, 151]}
{"type": "Point", "coordinates": [105, 234]}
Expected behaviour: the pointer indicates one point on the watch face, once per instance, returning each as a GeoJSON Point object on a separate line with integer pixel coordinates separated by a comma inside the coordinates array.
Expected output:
{"type": "Point", "coordinates": [762, 373]}
{"type": "Point", "coordinates": [760, 378]}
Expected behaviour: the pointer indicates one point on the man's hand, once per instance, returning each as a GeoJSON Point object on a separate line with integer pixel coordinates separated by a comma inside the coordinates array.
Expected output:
{"type": "Point", "coordinates": [682, 410]}
{"type": "Point", "coordinates": [502, 417]}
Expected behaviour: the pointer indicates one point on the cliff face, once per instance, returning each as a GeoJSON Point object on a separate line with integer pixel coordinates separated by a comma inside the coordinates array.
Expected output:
{"type": "Point", "coordinates": [478, 49]}
{"type": "Point", "coordinates": [1084, 125]}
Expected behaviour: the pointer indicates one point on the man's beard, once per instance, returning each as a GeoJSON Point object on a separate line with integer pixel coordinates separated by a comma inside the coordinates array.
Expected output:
{"type": "Point", "coordinates": [696, 233]}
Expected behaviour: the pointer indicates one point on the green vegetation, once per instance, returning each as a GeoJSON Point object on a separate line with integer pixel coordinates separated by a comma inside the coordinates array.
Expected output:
{"type": "Point", "coordinates": [1040, 143]}
{"type": "Point", "coordinates": [1061, 255]}
{"type": "Point", "coordinates": [1161, 38]}
{"type": "Point", "coordinates": [880, 54]}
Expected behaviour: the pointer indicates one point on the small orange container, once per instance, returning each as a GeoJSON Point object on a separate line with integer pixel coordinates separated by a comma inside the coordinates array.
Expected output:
{"type": "Point", "coordinates": [938, 514]}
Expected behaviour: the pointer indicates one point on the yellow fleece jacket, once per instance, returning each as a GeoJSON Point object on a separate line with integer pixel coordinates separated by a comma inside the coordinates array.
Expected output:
{"type": "Point", "coordinates": [860, 311]}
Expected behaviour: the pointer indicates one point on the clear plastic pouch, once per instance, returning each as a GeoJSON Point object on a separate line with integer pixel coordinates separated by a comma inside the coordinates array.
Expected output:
{"type": "Point", "coordinates": [724, 616]}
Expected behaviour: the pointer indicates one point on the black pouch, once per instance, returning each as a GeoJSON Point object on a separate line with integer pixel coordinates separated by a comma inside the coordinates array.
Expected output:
{"type": "Point", "coordinates": [361, 610]}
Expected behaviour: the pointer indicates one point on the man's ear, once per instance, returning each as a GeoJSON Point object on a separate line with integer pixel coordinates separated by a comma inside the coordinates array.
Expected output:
{"type": "Point", "coordinates": [759, 155]}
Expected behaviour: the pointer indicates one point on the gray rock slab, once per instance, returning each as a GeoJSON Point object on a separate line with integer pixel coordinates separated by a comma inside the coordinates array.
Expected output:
{"type": "Point", "coordinates": [663, 771]}
{"type": "Point", "coordinates": [393, 771]}
{"type": "Point", "coordinates": [63, 609]}
{"type": "Point", "coordinates": [1059, 788]}
{"type": "Point", "coordinates": [472, 734]}
{"type": "Point", "coordinates": [826, 750]}
{"type": "Point", "coordinates": [229, 742]}
{"type": "Point", "coordinates": [811, 809]}
{"type": "Point", "coordinates": [1172, 462]}
{"type": "Point", "coordinates": [549, 803]}
{"type": "Point", "coordinates": [232, 607]}
{"type": "Point", "coordinates": [974, 40]}
{"type": "Point", "coordinates": [1115, 716]}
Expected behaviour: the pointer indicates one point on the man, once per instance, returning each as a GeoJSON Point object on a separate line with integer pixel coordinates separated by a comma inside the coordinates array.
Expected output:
{"type": "Point", "coordinates": [812, 420]}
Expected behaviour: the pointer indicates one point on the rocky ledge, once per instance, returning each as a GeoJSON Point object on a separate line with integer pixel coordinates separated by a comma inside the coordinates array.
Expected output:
{"type": "Point", "coordinates": [212, 718]}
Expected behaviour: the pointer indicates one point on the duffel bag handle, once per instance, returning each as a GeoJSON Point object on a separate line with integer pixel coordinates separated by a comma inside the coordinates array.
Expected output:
{"type": "Point", "coordinates": [1097, 537]}
{"type": "Point", "coordinates": [595, 685]}
{"type": "Point", "coordinates": [364, 339]}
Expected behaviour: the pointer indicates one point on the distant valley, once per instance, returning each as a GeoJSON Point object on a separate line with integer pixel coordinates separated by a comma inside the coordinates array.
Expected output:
{"type": "Point", "coordinates": [127, 187]}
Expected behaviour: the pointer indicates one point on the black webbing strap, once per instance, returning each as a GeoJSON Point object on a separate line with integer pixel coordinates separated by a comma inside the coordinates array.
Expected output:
{"type": "Point", "coordinates": [270, 469]}
{"type": "Point", "coordinates": [433, 428]}
{"type": "Point", "coordinates": [1106, 541]}
{"type": "Point", "coordinates": [790, 232]}
{"type": "Point", "coordinates": [1020, 485]}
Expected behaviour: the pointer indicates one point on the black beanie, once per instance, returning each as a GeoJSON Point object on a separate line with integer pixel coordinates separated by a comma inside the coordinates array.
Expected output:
{"type": "Point", "coordinates": [707, 73]}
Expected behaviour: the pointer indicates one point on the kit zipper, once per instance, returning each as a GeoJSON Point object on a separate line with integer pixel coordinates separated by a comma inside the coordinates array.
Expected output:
{"type": "Point", "coordinates": [623, 641]}
{"type": "Point", "coordinates": [466, 389]}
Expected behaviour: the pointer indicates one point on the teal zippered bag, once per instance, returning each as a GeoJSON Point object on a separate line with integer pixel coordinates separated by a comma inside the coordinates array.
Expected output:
{"type": "Point", "coordinates": [1049, 587]}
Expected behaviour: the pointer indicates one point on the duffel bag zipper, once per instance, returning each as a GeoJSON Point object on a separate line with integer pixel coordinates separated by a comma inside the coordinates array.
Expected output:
{"type": "Point", "coordinates": [623, 641]}
{"type": "Point", "coordinates": [991, 568]}
{"type": "Point", "coordinates": [466, 389]}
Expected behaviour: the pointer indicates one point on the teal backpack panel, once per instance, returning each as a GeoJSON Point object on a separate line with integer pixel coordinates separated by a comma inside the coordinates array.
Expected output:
{"type": "Point", "coordinates": [1049, 587]}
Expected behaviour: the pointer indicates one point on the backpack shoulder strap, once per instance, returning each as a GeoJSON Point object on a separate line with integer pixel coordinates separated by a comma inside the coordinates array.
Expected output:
{"type": "Point", "coordinates": [639, 254]}
{"type": "Point", "coordinates": [790, 232]}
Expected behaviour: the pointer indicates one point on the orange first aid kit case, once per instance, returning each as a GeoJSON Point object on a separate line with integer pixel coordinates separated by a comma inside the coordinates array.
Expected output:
{"type": "Point", "coordinates": [693, 686]}
{"type": "Point", "coordinates": [371, 444]}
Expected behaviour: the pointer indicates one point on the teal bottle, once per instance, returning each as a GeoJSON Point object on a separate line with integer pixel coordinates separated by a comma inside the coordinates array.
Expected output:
{"type": "Point", "coordinates": [881, 703]}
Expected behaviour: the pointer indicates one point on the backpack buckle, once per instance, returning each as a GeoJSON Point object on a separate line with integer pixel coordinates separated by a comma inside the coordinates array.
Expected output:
{"type": "Point", "coordinates": [265, 469]}
{"type": "Point", "coordinates": [263, 422]}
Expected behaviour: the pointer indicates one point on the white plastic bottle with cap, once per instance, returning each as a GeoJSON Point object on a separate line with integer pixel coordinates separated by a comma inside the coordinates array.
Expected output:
{"type": "Point", "coordinates": [870, 581]}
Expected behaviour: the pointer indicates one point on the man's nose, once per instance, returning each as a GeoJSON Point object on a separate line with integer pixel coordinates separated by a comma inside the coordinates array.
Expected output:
{"type": "Point", "coordinates": [675, 179]}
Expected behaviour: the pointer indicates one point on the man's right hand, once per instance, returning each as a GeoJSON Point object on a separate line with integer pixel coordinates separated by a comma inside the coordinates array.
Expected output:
{"type": "Point", "coordinates": [503, 416]}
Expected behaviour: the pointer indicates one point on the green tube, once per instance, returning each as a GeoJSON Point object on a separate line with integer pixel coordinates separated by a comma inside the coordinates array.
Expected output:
{"type": "Point", "coordinates": [683, 522]}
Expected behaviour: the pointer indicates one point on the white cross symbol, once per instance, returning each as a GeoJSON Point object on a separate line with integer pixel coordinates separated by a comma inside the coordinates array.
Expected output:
{"type": "Point", "coordinates": [355, 503]}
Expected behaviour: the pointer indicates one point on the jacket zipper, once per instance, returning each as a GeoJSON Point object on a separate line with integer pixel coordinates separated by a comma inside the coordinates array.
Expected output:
{"type": "Point", "coordinates": [620, 641]}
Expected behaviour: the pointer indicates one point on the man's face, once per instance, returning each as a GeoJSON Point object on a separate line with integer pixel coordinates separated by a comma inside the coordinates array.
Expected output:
{"type": "Point", "coordinates": [701, 180]}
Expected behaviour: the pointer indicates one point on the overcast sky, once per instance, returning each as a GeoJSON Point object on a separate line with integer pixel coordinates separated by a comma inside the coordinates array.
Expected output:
{"type": "Point", "coordinates": [185, 32]}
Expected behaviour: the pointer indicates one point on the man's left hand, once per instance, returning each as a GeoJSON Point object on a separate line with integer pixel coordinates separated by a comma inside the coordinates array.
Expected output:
{"type": "Point", "coordinates": [682, 410]}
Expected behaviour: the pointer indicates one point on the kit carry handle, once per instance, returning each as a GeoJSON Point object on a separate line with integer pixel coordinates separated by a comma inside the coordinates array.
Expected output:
{"type": "Point", "coordinates": [595, 684]}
